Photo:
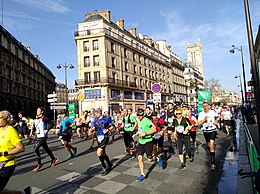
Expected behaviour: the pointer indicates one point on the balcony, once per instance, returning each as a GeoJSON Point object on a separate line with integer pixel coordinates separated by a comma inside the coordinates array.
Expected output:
{"type": "Point", "coordinates": [110, 81]}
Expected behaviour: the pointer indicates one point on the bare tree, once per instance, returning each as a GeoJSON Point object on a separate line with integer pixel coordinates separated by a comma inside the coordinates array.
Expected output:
{"type": "Point", "coordinates": [213, 85]}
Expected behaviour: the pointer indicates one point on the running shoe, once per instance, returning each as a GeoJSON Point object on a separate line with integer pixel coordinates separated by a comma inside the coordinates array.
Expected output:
{"type": "Point", "coordinates": [37, 167]}
{"type": "Point", "coordinates": [104, 171]}
{"type": "Point", "coordinates": [213, 167]}
{"type": "Point", "coordinates": [159, 161]}
{"type": "Point", "coordinates": [70, 156]}
{"type": "Point", "coordinates": [75, 151]}
{"type": "Point", "coordinates": [183, 166]}
{"type": "Point", "coordinates": [141, 178]}
{"type": "Point", "coordinates": [27, 190]}
{"type": "Point", "coordinates": [53, 162]}
{"type": "Point", "coordinates": [90, 148]}
{"type": "Point", "coordinates": [191, 158]}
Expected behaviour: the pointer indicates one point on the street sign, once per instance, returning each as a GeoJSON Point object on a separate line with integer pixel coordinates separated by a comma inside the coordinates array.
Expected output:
{"type": "Point", "coordinates": [58, 107]}
{"type": "Point", "coordinates": [52, 95]}
{"type": "Point", "coordinates": [52, 99]}
{"type": "Point", "coordinates": [157, 98]}
{"type": "Point", "coordinates": [156, 88]}
{"type": "Point", "coordinates": [58, 104]}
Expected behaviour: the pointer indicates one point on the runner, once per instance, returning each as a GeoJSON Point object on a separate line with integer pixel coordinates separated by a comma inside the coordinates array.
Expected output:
{"type": "Point", "coordinates": [226, 118]}
{"type": "Point", "coordinates": [10, 145]}
{"type": "Point", "coordinates": [170, 116]}
{"type": "Point", "coordinates": [208, 122]}
{"type": "Point", "coordinates": [102, 127]}
{"type": "Point", "coordinates": [158, 138]}
{"type": "Point", "coordinates": [42, 126]}
{"type": "Point", "coordinates": [129, 125]}
{"type": "Point", "coordinates": [90, 123]}
{"type": "Point", "coordinates": [182, 126]}
{"type": "Point", "coordinates": [146, 129]}
{"type": "Point", "coordinates": [23, 129]}
{"type": "Point", "coordinates": [148, 112]}
{"type": "Point", "coordinates": [192, 133]}
{"type": "Point", "coordinates": [66, 124]}
{"type": "Point", "coordinates": [79, 126]}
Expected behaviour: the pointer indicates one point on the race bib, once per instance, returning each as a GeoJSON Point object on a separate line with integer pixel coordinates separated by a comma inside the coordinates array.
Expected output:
{"type": "Point", "coordinates": [170, 121]}
{"type": "Point", "coordinates": [140, 130]}
{"type": "Point", "coordinates": [38, 129]}
{"type": "Point", "coordinates": [127, 125]}
{"type": "Point", "coordinates": [157, 135]}
{"type": "Point", "coordinates": [100, 138]}
{"type": "Point", "coordinates": [2, 165]}
{"type": "Point", "coordinates": [180, 128]}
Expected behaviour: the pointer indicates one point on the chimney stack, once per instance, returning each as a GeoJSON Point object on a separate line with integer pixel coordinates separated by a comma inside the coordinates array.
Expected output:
{"type": "Point", "coordinates": [120, 23]}
{"type": "Point", "coordinates": [133, 31]}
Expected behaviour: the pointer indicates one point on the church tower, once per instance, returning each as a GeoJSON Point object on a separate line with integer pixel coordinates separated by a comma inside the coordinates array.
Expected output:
{"type": "Point", "coordinates": [194, 56]}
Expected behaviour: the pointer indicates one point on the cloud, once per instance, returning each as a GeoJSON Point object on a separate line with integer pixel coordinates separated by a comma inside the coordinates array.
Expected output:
{"type": "Point", "coordinates": [55, 6]}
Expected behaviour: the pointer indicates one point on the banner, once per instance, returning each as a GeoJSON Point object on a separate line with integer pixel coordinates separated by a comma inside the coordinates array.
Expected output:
{"type": "Point", "coordinates": [203, 96]}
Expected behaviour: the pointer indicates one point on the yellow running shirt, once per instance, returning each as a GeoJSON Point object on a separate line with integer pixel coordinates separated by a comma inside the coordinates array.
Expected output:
{"type": "Point", "coordinates": [8, 139]}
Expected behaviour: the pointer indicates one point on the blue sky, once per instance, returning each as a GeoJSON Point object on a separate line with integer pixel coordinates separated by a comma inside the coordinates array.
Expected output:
{"type": "Point", "coordinates": [47, 26]}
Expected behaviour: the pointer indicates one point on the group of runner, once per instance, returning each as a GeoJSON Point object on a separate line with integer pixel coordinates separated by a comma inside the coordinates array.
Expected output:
{"type": "Point", "coordinates": [148, 128]}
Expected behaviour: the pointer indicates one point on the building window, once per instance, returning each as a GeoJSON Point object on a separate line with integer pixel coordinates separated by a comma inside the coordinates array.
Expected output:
{"type": "Point", "coordinates": [126, 66]}
{"type": "Point", "coordinates": [115, 94]}
{"type": "Point", "coordinates": [141, 83]}
{"type": "Point", "coordinates": [86, 61]}
{"type": "Point", "coordinates": [128, 95]}
{"type": "Point", "coordinates": [134, 56]}
{"type": "Point", "coordinates": [146, 72]}
{"type": "Point", "coordinates": [8, 73]}
{"type": "Point", "coordinates": [96, 60]}
{"type": "Point", "coordinates": [136, 81]}
{"type": "Point", "coordinates": [139, 96]}
{"type": "Point", "coordinates": [113, 47]}
{"type": "Point", "coordinates": [135, 69]}
{"type": "Point", "coordinates": [96, 77]}
{"type": "Point", "coordinates": [127, 80]}
{"type": "Point", "coordinates": [23, 56]}
{"type": "Point", "coordinates": [87, 78]}
{"type": "Point", "coordinates": [113, 78]}
{"type": "Point", "coordinates": [125, 53]}
{"type": "Point", "coordinates": [141, 70]}
{"type": "Point", "coordinates": [29, 61]}
{"type": "Point", "coordinates": [113, 62]}
{"type": "Point", "coordinates": [9, 44]}
{"type": "Point", "coordinates": [86, 46]}
{"type": "Point", "coordinates": [95, 45]}
{"type": "Point", "coordinates": [16, 51]}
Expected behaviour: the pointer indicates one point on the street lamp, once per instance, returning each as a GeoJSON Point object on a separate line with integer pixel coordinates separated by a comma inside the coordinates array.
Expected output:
{"type": "Point", "coordinates": [240, 85]}
{"type": "Point", "coordinates": [243, 66]}
{"type": "Point", "coordinates": [65, 66]}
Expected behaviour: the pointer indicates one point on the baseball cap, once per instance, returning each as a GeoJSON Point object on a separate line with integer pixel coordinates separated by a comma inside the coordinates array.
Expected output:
{"type": "Point", "coordinates": [154, 113]}
{"type": "Point", "coordinates": [97, 111]}
{"type": "Point", "coordinates": [178, 111]}
{"type": "Point", "coordinates": [140, 112]}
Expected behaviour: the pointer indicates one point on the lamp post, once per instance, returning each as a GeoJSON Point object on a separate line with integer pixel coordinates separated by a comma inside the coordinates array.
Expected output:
{"type": "Point", "coordinates": [65, 66]}
{"type": "Point", "coordinates": [238, 76]}
{"type": "Point", "coordinates": [243, 66]}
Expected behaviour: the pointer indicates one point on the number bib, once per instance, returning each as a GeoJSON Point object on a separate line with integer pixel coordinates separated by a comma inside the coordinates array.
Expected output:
{"type": "Point", "coordinates": [127, 125]}
{"type": "Point", "coordinates": [157, 135]}
{"type": "Point", "coordinates": [180, 128]}
{"type": "Point", "coordinates": [170, 121]}
{"type": "Point", "coordinates": [100, 138]}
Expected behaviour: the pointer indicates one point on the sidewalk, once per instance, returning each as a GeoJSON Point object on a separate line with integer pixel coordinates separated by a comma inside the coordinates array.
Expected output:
{"type": "Point", "coordinates": [244, 185]}
{"type": "Point", "coordinates": [197, 178]}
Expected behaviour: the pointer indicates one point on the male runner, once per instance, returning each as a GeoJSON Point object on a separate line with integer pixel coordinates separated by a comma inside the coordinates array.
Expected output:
{"type": "Point", "coordinates": [207, 120]}
{"type": "Point", "coordinates": [146, 129]}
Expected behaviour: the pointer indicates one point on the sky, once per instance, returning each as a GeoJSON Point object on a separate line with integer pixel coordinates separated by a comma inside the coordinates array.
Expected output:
{"type": "Point", "coordinates": [48, 27]}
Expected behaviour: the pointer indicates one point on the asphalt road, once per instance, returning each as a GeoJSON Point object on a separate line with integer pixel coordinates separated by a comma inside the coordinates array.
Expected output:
{"type": "Point", "coordinates": [81, 174]}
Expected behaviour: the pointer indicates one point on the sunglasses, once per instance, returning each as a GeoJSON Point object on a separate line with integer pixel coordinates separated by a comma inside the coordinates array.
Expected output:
{"type": "Point", "coordinates": [178, 113]}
